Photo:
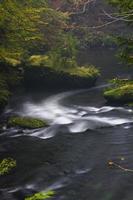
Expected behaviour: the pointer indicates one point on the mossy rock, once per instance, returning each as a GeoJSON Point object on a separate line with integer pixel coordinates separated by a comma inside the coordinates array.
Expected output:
{"type": "Point", "coordinates": [79, 77]}
{"type": "Point", "coordinates": [26, 122]}
{"type": "Point", "coordinates": [130, 104]}
{"type": "Point", "coordinates": [120, 82]}
{"type": "Point", "coordinates": [6, 165]}
{"type": "Point", "coordinates": [122, 93]}
{"type": "Point", "coordinates": [41, 195]}
{"type": "Point", "coordinates": [84, 72]}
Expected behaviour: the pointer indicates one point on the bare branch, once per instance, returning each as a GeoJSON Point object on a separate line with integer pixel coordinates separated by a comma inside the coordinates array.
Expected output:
{"type": "Point", "coordinates": [123, 17]}
{"type": "Point", "coordinates": [84, 7]}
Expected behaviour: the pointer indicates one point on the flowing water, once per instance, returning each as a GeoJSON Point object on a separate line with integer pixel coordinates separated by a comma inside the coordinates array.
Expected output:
{"type": "Point", "coordinates": [71, 155]}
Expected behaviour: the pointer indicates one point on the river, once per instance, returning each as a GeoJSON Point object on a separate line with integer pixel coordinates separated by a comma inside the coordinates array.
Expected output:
{"type": "Point", "coordinates": [71, 156]}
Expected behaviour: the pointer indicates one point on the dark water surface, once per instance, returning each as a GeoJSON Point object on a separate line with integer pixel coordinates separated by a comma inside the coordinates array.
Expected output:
{"type": "Point", "coordinates": [71, 155]}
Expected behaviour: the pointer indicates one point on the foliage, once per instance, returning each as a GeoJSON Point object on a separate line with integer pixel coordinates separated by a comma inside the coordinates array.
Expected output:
{"type": "Point", "coordinates": [99, 39]}
{"type": "Point", "coordinates": [60, 57]}
{"type": "Point", "coordinates": [26, 25]}
{"type": "Point", "coordinates": [26, 122]}
{"type": "Point", "coordinates": [41, 196]}
{"type": "Point", "coordinates": [34, 34]}
{"type": "Point", "coordinates": [30, 28]}
{"type": "Point", "coordinates": [124, 5]}
{"type": "Point", "coordinates": [125, 8]}
{"type": "Point", "coordinates": [64, 55]}
{"type": "Point", "coordinates": [6, 165]}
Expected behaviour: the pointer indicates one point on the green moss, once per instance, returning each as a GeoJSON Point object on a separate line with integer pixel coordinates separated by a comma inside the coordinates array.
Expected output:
{"type": "Point", "coordinates": [121, 93]}
{"type": "Point", "coordinates": [84, 71]}
{"type": "Point", "coordinates": [71, 69]}
{"type": "Point", "coordinates": [119, 82]}
{"type": "Point", "coordinates": [26, 122]}
{"type": "Point", "coordinates": [41, 196]}
{"type": "Point", "coordinates": [99, 39]}
{"type": "Point", "coordinates": [130, 104]}
{"type": "Point", "coordinates": [6, 165]}
{"type": "Point", "coordinates": [38, 60]}
{"type": "Point", "coordinates": [12, 62]}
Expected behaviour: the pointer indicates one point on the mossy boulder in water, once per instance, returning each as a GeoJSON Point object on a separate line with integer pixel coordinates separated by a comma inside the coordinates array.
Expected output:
{"type": "Point", "coordinates": [78, 77]}
{"type": "Point", "coordinates": [6, 165]}
{"type": "Point", "coordinates": [26, 122]}
{"type": "Point", "coordinates": [41, 195]}
{"type": "Point", "coordinates": [122, 92]}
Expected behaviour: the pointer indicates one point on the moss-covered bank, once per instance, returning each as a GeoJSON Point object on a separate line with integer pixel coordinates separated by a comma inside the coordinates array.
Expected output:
{"type": "Point", "coordinates": [26, 122]}
{"type": "Point", "coordinates": [46, 71]}
{"type": "Point", "coordinates": [121, 91]}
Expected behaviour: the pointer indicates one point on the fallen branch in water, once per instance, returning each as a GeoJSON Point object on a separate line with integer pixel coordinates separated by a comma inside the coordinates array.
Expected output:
{"type": "Point", "coordinates": [113, 164]}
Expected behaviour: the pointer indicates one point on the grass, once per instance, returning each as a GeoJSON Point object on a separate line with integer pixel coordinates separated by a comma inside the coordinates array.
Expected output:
{"type": "Point", "coordinates": [6, 165]}
{"type": "Point", "coordinates": [26, 122]}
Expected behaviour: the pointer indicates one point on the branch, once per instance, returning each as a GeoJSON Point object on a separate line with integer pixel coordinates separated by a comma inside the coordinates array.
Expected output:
{"type": "Point", "coordinates": [111, 164]}
{"type": "Point", "coordinates": [84, 7]}
{"type": "Point", "coordinates": [123, 17]}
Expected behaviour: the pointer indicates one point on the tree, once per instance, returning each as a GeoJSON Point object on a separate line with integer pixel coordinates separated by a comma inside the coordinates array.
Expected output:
{"type": "Point", "coordinates": [125, 13]}
{"type": "Point", "coordinates": [24, 25]}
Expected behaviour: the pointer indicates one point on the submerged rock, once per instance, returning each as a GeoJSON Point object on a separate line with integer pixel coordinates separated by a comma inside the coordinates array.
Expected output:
{"type": "Point", "coordinates": [6, 165]}
{"type": "Point", "coordinates": [41, 195]}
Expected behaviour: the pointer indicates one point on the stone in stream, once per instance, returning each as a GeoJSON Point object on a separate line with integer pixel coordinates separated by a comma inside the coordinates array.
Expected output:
{"type": "Point", "coordinates": [26, 122]}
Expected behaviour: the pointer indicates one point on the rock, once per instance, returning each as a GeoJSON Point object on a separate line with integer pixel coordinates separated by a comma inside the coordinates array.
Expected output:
{"type": "Point", "coordinates": [48, 78]}
{"type": "Point", "coordinates": [26, 122]}
{"type": "Point", "coordinates": [121, 93]}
